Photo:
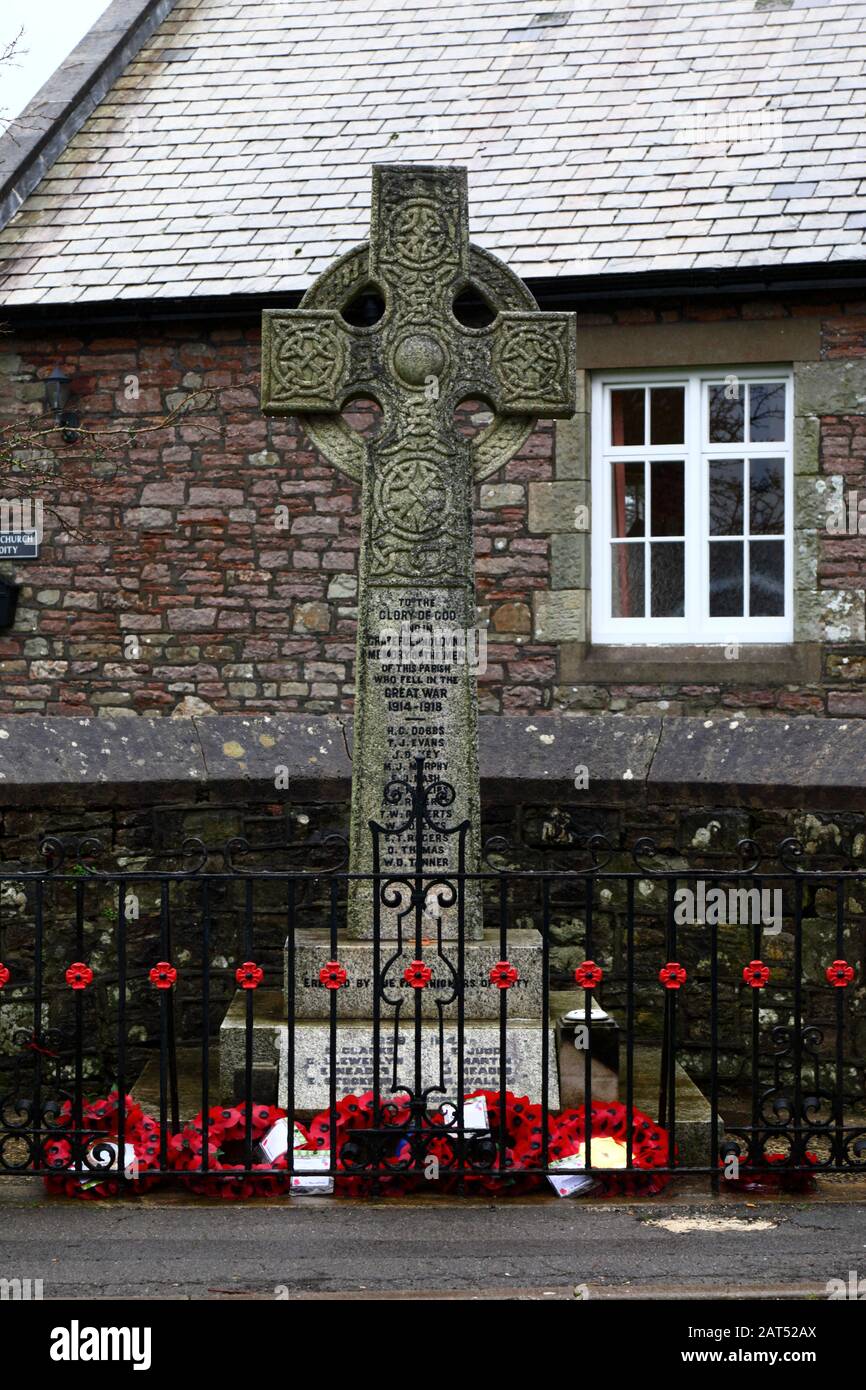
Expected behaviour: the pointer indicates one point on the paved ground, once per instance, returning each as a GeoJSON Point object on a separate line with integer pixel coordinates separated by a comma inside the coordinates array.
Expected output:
{"type": "Point", "coordinates": [318, 1247]}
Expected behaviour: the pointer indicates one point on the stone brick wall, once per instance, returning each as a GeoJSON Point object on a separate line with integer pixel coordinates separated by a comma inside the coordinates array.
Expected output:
{"type": "Point", "coordinates": [208, 564]}
{"type": "Point", "coordinates": [221, 543]}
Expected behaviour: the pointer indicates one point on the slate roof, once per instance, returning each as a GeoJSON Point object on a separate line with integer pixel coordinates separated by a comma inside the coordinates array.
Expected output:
{"type": "Point", "coordinates": [233, 153]}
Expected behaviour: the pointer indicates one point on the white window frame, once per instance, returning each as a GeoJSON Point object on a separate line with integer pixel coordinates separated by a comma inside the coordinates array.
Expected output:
{"type": "Point", "coordinates": [696, 627]}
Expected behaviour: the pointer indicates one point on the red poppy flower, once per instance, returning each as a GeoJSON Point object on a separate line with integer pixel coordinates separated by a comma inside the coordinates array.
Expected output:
{"type": "Point", "coordinates": [589, 975]}
{"type": "Point", "coordinates": [163, 975]}
{"type": "Point", "coordinates": [504, 975]}
{"type": "Point", "coordinates": [79, 975]}
{"type": "Point", "coordinates": [332, 975]}
{"type": "Point", "coordinates": [840, 974]}
{"type": "Point", "coordinates": [756, 974]}
{"type": "Point", "coordinates": [4, 975]}
{"type": "Point", "coordinates": [249, 975]}
{"type": "Point", "coordinates": [672, 975]}
{"type": "Point", "coordinates": [417, 974]}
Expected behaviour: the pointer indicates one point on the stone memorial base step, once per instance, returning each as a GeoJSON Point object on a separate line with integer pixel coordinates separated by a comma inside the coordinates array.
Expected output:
{"type": "Point", "coordinates": [693, 1113]}
{"type": "Point", "coordinates": [354, 1060]}
{"type": "Point", "coordinates": [355, 998]}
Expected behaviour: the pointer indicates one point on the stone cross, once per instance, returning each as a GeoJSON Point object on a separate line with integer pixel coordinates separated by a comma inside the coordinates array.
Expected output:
{"type": "Point", "coordinates": [416, 574]}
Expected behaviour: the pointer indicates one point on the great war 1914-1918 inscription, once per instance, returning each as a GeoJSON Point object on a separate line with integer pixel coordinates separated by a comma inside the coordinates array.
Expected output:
{"type": "Point", "coordinates": [416, 697]}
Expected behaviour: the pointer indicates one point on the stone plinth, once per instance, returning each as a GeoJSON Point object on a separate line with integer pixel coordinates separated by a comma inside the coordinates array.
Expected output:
{"type": "Point", "coordinates": [354, 1061]}
{"type": "Point", "coordinates": [355, 999]}
{"type": "Point", "coordinates": [523, 1065]}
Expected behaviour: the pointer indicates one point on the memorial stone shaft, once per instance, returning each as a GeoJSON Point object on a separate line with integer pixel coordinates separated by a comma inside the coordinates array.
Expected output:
{"type": "Point", "coordinates": [416, 572]}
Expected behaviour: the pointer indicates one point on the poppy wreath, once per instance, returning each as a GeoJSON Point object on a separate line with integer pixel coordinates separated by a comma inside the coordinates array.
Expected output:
{"type": "Point", "coordinates": [650, 1146]}
{"type": "Point", "coordinates": [488, 1171]}
{"type": "Point", "coordinates": [102, 1118]}
{"type": "Point", "coordinates": [772, 1175]}
{"type": "Point", "coordinates": [522, 1124]}
{"type": "Point", "coordinates": [227, 1127]}
{"type": "Point", "coordinates": [353, 1113]}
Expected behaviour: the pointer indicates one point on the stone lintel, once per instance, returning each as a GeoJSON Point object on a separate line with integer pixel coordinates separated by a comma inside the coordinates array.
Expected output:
{"type": "Point", "coordinates": [680, 345]}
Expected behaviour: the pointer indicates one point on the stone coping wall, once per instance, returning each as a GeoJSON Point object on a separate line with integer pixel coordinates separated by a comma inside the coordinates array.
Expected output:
{"type": "Point", "coordinates": [164, 585]}
{"type": "Point", "coordinates": [632, 762]}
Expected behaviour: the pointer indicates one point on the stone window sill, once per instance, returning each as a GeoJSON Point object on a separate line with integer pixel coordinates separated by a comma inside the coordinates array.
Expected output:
{"type": "Point", "coordinates": [769, 664]}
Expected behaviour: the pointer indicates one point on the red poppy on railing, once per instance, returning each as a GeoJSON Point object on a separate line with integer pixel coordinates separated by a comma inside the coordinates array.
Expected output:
{"type": "Point", "coordinates": [4, 975]}
{"type": "Point", "coordinates": [249, 975]}
{"type": "Point", "coordinates": [756, 974]}
{"type": "Point", "coordinates": [79, 975]}
{"type": "Point", "coordinates": [589, 975]}
{"type": "Point", "coordinates": [672, 975]}
{"type": "Point", "coordinates": [839, 974]}
{"type": "Point", "coordinates": [163, 975]}
{"type": "Point", "coordinates": [417, 974]}
{"type": "Point", "coordinates": [504, 975]}
{"type": "Point", "coordinates": [332, 975]}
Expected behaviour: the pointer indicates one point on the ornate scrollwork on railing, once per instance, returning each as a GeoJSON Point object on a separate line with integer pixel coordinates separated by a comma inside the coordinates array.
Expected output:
{"type": "Point", "coordinates": [322, 855]}
{"type": "Point", "coordinates": [71, 858]}
{"type": "Point", "coordinates": [595, 846]}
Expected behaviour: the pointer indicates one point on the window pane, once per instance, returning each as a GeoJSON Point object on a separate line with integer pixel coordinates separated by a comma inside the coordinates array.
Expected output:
{"type": "Point", "coordinates": [667, 499]}
{"type": "Point", "coordinates": [629, 503]}
{"type": "Point", "coordinates": [627, 581]}
{"type": "Point", "coordinates": [667, 415]}
{"type": "Point", "coordinates": [767, 497]}
{"type": "Point", "coordinates": [726, 497]}
{"type": "Point", "coordinates": [767, 579]}
{"type": "Point", "coordinates": [627, 416]}
{"type": "Point", "coordinates": [667, 579]}
{"type": "Point", "coordinates": [726, 413]}
{"type": "Point", "coordinates": [766, 411]}
{"type": "Point", "coordinates": [726, 579]}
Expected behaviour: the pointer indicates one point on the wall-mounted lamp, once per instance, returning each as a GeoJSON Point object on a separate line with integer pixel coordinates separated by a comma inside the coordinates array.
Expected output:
{"type": "Point", "coordinates": [57, 391]}
{"type": "Point", "coordinates": [8, 602]}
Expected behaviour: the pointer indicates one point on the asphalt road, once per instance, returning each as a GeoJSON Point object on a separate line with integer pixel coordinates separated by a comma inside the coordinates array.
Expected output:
{"type": "Point", "coordinates": [320, 1247]}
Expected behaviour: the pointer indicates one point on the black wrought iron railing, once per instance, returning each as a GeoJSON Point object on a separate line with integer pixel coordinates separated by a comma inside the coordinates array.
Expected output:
{"type": "Point", "coordinates": [212, 1025]}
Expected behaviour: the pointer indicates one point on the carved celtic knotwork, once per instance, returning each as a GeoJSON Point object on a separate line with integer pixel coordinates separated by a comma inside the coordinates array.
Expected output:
{"type": "Point", "coordinates": [419, 363]}
{"type": "Point", "coordinates": [414, 527]}
{"type": "Point", "coordinates": [410, 496]}
{"type": "Point", "coordinates": [532, 358]}
{"type": "Point", "coordinates": [305, 363]}
{"type": "Point", "coordinates": [419, 235]}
